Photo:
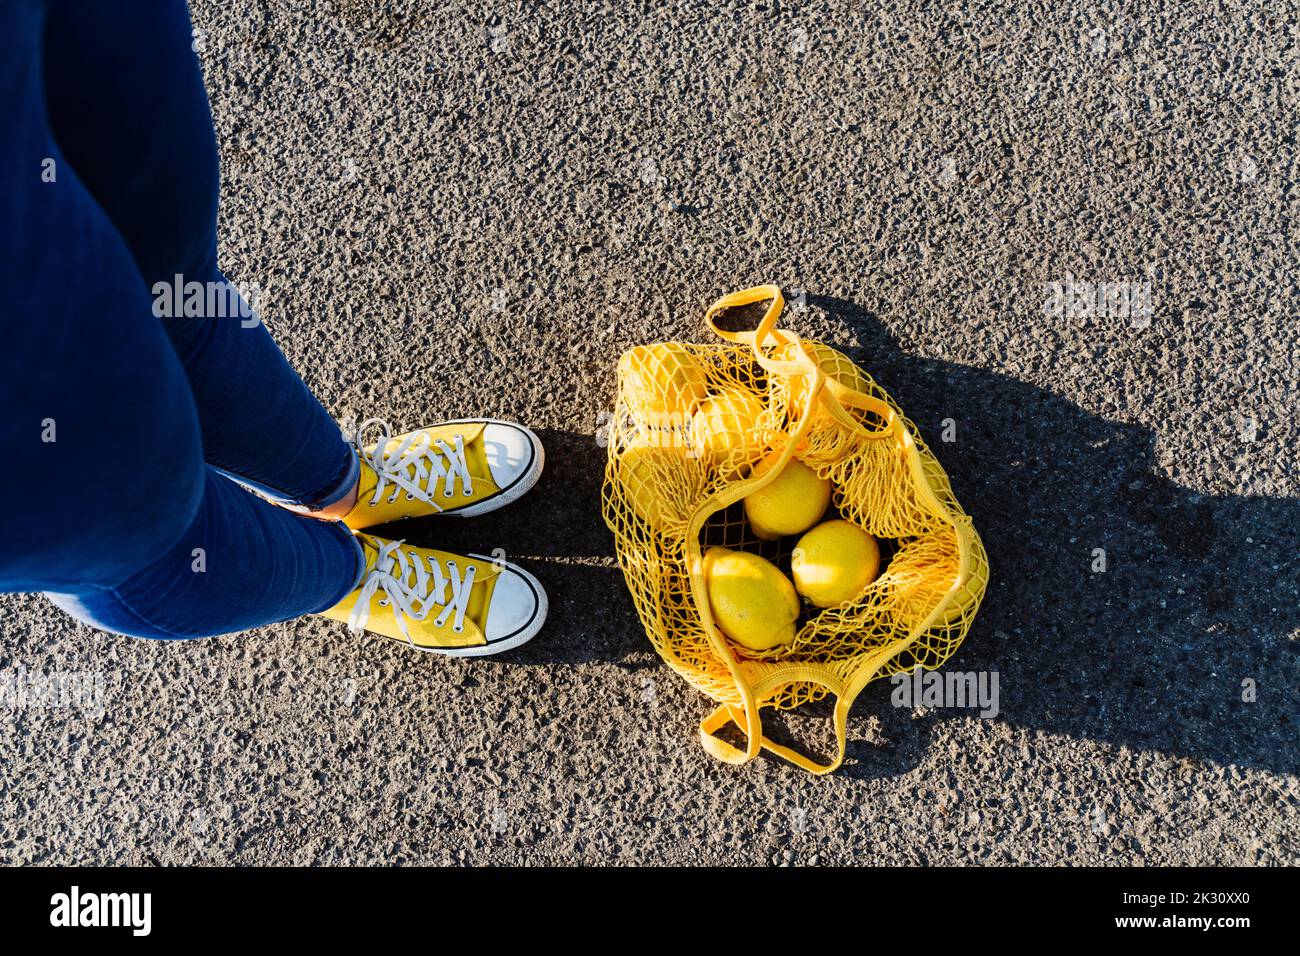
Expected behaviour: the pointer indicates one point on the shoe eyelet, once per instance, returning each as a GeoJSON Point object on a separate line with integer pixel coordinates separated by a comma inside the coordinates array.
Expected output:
{"type": "Point", "coordinates": [410, 497]}
{"type": "Point", "coordinates": [458, 629]}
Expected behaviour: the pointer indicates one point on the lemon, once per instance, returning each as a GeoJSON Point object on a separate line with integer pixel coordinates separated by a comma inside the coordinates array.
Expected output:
{"type": "Point", "coordinates": [834, 562]}
{"type": "Point", "coordinates": [646, 469]}
{"type": "Point", "coordinates": [662, 383]}
{"type": "Point", "coordinates": [792, 503]}
{"type": "Point", "coordinates": [841, 376]}
{"type": "Point", "coordinates": [725, 428]}
{"type": "Point", "coordinates": [753, 603]}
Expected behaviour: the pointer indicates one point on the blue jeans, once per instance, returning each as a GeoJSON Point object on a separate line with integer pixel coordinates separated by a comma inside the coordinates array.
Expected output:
{"type": "Point", "coordinates": [121, 420]}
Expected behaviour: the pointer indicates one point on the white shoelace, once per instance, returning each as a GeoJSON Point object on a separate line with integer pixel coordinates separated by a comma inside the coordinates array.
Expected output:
{"type": "Point", "coordinates": [416, 464]}
{"type": "Point", "coordinates": [413, 590]}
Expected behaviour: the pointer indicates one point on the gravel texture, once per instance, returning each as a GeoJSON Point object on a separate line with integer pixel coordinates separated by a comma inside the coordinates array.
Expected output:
{"type": "Point", "coordinates": [463, 208]}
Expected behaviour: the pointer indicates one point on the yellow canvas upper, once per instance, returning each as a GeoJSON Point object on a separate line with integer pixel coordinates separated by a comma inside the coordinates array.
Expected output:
{"type": "Point", "coordinates": [395, 502]}
{"type": "Point", "coordinates": [384, 617]}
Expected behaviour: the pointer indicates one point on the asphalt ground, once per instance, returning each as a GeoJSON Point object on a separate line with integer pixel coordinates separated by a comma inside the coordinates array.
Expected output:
{"type": "Point", "coordinates": [458, 209]}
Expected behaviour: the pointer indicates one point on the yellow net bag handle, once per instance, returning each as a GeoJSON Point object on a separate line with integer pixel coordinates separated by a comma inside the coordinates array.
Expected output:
{"type": "Point", "coordinates": [719, 749]}
{"type": "Point", "coordinates": [747, 716]}
{"type": "Point", "coordinates": [804, 365]}
{"type": "Point", "coordinates": [845, 695]}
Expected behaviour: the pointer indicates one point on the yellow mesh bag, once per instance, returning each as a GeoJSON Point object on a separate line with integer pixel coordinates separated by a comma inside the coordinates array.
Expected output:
{"type": "Point", "coordinates": [689, 422]}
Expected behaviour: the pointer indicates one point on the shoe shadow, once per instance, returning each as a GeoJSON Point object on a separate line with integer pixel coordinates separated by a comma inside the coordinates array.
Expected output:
{"type": "Point", "coordinates": [1198, 594]}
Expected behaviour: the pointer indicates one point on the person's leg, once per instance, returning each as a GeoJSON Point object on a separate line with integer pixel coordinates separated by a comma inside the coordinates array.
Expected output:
{"type": "Point", "coordinates": [222, 559]}
{"type": "Point", "coordinates": [242, 563]}
{"type": "Point", "coordinates": [142, 136]}
{"type": "Point", "coordinates": [128, 108]}
{"type": "Point", "coordinates": [105, 489]}
{"type": "Point", "coordinates": [102, 462]}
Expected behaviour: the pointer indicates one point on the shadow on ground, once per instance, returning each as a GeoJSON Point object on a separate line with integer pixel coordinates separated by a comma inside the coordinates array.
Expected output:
{"type": "Point", "coordinates": [1151, 653]}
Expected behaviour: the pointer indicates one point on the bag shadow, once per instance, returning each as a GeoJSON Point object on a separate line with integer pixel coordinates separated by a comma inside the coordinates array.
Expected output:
{"type": "Point", "coordinates": [1197, 604]}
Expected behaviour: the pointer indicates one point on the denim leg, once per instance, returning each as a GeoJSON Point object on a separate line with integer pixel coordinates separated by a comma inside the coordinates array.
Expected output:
{"type": "Point", "coordinates": [260, 423]}
{"type": "Point", "coordinates": [242, 563]}
{"type": "Point", "coordinates": [107, 499]}
{"type": "Point", "coordinates": [128, 107]}
{"type": "Point", "coordinates": [103, 467]}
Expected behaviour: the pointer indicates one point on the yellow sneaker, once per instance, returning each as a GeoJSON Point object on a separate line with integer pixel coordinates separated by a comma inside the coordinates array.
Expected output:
{"type": "Point", "coordinates": [463, 468]}
{"type": "Point", "coordinates": [460, 605]}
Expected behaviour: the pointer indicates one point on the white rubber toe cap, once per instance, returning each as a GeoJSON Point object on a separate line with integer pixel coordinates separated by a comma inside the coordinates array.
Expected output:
{"type": "Point", "coordinates": [513, 453]}
{"type": "Point", "coordinates": [515, 457]}
{"type": "Point", "coordinates": [516, 613]}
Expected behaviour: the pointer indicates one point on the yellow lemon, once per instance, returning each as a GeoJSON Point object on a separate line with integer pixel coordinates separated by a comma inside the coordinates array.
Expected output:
{"type": "Point", "coordinates": [841, 375]}
{"type": "Point", "coordinates": [725, 428]}
{"type": "Point", "coordinates": [834, 562]}
{"type": "Point", "coordinates": [647, 469]}
{"type": "Point", "coordinates": [662, 383]}
{"type": "Point", "coordinates": [753, 603]}
{"type": "Point", "coordinates": [793, 502]}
